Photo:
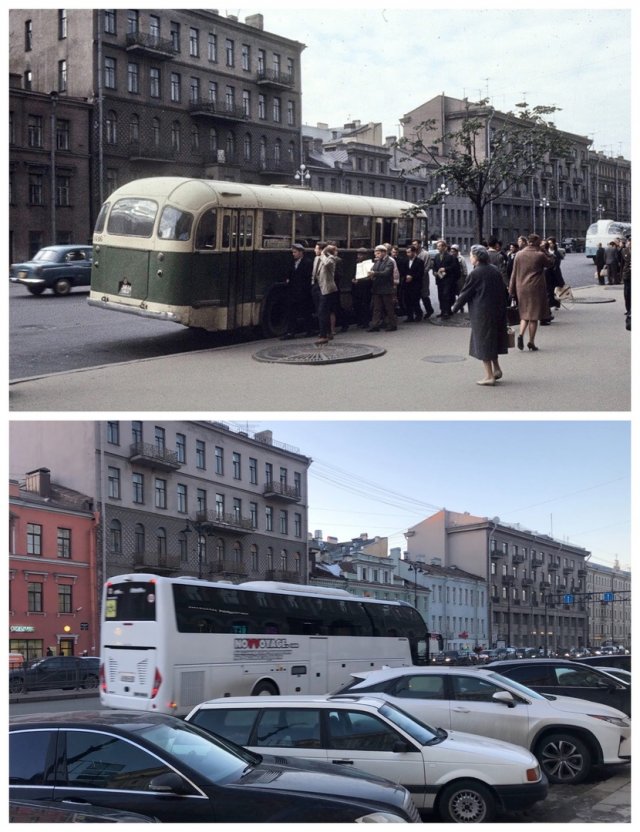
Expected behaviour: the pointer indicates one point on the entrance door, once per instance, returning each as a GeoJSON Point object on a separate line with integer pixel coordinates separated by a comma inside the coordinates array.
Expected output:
{"type": "Point", "coordinates": [237, 238]}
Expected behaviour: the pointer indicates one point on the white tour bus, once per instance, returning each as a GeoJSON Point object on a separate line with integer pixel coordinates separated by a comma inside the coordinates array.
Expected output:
{"type": "Point", "coordinates": [603, 232]}
{"type": "Point", "coordinates": [167, 644]}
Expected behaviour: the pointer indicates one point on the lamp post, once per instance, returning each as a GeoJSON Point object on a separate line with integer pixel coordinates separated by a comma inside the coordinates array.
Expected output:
{"type": "Point", "coordinates": [199, 528]}
{"type": "Point", "coordinates": [417, 570]}
{"type": "Point", "coordinates": [443, 192]}
{"type": "Point", "coordinates": [544, 204]}
{"type": "Point", "coordinates": [53, 95]}
{"type": "Point", "coordinates": [600, 210]}
{"type": "Point", "coordinates": [302, 175]}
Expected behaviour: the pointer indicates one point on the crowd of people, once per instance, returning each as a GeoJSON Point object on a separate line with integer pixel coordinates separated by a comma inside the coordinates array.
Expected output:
{"type": "Point", "coordinates": [395, 283]}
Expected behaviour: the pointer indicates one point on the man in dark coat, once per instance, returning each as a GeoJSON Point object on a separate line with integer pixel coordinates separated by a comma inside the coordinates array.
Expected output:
{"type": "Point", "coordinates": [446, 268]}
{"type": "Point", "coordinates": [411, 274]}
{"type": "Point", "coordinates": [299, 302]}
{"type": "Point", "coordinates": [599, 259]}
{"type": "Point", "coordinates": [382, 292]}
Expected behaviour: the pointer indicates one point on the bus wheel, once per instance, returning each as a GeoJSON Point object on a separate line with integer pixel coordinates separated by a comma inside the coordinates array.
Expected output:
{"type": "Point", "coordinates": [273, 317]}
{"type": "Point", "coordinates": [265, 689]}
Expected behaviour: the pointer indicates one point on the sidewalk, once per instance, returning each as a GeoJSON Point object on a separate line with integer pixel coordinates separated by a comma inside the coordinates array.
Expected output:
{"type": "Point", "coordinates": [584, 364]}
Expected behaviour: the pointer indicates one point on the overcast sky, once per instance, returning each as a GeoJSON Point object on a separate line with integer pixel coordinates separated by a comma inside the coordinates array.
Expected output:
{"type": "Point", "coordinates": [570, 479]}
{"type": "Point", "coordinates": [364, 61]}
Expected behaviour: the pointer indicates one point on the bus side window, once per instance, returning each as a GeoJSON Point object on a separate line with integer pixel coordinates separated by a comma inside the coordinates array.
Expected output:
{"type": "Point", "coordinates": [207, 227]}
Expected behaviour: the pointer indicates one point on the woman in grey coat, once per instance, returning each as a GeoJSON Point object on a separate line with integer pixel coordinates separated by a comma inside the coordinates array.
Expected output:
{"type": "Point", "coordinates": [485, 293]}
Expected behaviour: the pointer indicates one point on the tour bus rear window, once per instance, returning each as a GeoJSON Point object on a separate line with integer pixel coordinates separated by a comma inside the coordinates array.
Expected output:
{"type": "Point", "coordinates": [133, 217]}
{"type": "Point", "coordinates": [130, 601]}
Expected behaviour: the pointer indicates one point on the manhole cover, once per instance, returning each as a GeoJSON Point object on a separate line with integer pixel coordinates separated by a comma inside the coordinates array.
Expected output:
{"type": "Point", "coordinates": [444, 359]}
{"type": "Point", "coordinates": [309, 353]}
{"type": "Point", "coordinates": [458, 319]}
{"type": "Point", "coordinates": [593, 299]}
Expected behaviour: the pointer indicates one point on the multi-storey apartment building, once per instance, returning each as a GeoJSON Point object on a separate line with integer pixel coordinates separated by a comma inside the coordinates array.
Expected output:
{"type": "Point", "coordinates": [52, 568]}
{"type": "Point", "coordinates": [182, 497]}
{"type": "Point", "coordinates": [171, 92]}
{"type": "Point", "coordinates": [528, 576]}
{"type": "Point", "coordinates": [609, 604]}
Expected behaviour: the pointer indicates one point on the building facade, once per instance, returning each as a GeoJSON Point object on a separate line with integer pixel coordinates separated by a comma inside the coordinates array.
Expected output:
{"type": "Point", "coordinates": [528, 577]}
{"type": "Point", "coordinates": [183, 498]}
{"type": "Point", "coordinates": [170, 92]}
{"type": "Point", "coordinates": [609, 605]}
{"type": "Point", "coordinates": [52, 568]}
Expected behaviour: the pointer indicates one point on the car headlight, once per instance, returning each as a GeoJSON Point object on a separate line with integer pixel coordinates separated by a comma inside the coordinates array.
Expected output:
{"type": "Point", "coordinates": [381, 817]}
{"type": "Point", "coordinates": [621, 722]}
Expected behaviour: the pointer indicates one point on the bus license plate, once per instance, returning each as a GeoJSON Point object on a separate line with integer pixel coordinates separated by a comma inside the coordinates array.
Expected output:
{"type": "Point", "coordinates": [127, 677]}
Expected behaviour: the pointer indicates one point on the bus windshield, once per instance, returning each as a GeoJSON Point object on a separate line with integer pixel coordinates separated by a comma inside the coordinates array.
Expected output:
{"type": "Point", "coordinates": [130, 602]}
{"type": "Point", "coordinates": [133, 217]}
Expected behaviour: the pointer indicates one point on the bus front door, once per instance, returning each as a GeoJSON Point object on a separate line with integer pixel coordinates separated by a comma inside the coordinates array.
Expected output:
{"type": "Point", "coordinates": [237, 239]}
{"type": "Point", "coordinates": [318, 664]}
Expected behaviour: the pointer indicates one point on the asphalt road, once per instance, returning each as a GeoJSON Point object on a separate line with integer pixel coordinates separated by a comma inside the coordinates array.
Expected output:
{"type": "Point", "coordinates": [51, 334]}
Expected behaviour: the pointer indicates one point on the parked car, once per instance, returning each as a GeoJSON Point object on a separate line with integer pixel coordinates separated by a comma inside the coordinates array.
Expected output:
{"type": "Point", "coordinates": [162, 767]}
{"type": "Point", "coordinates": [47, 811]}
{"type": "Point", "coordinates": [58, 268]}
{"type": "Point", "coordinates": [66, 672]}
{"type": "Point", "coordinates": [465, 778]}
{"type": "Point", "coordinates": [622, 660]}
{"type": "Point", "coordinates": [456, 657]}
{"type": "Point", "coordinates": [15, 660]}
{"type": "Point", "coordinates": [618, 672]}
{"type": "Point", "coordinates": [568, 678]}
{"type": "Point", "coordinates": [568, 736]}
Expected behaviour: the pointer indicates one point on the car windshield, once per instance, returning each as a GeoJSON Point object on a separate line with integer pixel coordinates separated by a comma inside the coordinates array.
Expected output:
{"type": "Point", "coordinates": [47, 254]}
{"type": "Point", "coordinates": [421, 732]}
{"type": "Point", "coordinates": [509, 683]}
{"type": "Point", "coordinates": [214, 759]}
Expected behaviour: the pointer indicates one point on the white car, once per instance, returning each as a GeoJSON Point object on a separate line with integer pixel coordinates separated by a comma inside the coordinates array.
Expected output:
{"type": "Point", "coordinates": [568, 736]}
{"type": "Point", "coordinates": [464, 778]}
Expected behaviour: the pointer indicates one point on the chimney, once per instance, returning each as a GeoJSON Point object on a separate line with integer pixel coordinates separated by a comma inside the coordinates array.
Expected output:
{"type": "Point", "coordinates": [39, 482]}
{"type": "Point", "coordinates": [317, 534]}
{"type": "Point", "coordinates": [255, 20]}
{"type": "Point", "coordinates": [265, 436]}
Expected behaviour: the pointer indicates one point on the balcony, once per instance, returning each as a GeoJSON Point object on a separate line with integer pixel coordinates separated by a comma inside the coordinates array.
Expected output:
{"type": "Point", "coordinates": [279, 491]}
{"type": "Point", "coordinates": [159, 562]}
{"type": "Point", "coordinates": [528, 582]}
{"type": "Point", "coordinates": [536, 561]}
{"type": "Point", "coordinates": [495, 599]}
{"type": "Point", "coordinates": [211, 521]}
{"type": "Point", "coordinates": [497, 553]}
{"type": "Point", "coordinates": [145, 44]}
{"type": "Point", "coordinates": [283, 575]}
{"type": "Point", "coordinates": [553, 567]}
{"type": "Point", "coordinates": [274, 78]}
{"type": "Point", "coordinates": [567, 570]}
{"type": "Point", "coordinates": [217, 111]}
{"type": "Point", "coordinates": [151, 152]}
{"type": "Point", "coordinates": [545, 584]}
{"type": "Point", "coordinates": [582, 573]}
{"type": "Point", "coordinates": [153, 456]}
{"type": "Point", "coordinates": [271, 165]}
{"type": "Point", "coordinates": [228, 569]}
{"type": "Point", "coordinates": [517, 558]}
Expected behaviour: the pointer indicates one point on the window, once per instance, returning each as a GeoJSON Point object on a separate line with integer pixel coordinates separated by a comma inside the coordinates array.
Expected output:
{"type": "Point", "coordinates": [283, 477]}
{"type": "Point", "coordinates": [229, 47]}
{"type": "Point", "coordinates": [64, 598]}
{"type": "Point", "coordinates": [139, 538]}
{"type": "Point", "coordinates": [133, 21]}
{"type": "Point", "coordinates": [277, 109]}
{"type": "Point", "coordinates": [262, 107]}
{"type": "Point", "coordinates": [262, 59]}
{"type": "Point", "coordinates": [136, 432]}
{"type": "Point", "coordinates": [155, 132]}
{"type": "Point", "coordinates": [62, 76]}
{"type": "Point", "coordinates": [237, 466]}
{"type": "Point", "coordinates": [34, 539]}
{"type": "Point", "coordinates": [212, 47]}
{"type": "Point", "coordinates": [64, 543]}
{"type": "Point", "coordinates": [138, 488]}
{"type": "Point", "coordinates": [254, 558]}
{"type": "Point", "coordinates": [276, 64]}
{"type": "Point", "coordinates": [28, 35]}
{"type": "Point", "coordinates": [34, 596]}
{"type": "Point", "coordinates": [176, 136]}
{"type": "Point", "coordinates": [34, 131]}
{"type": "Point", "coordinates": [268, 473]}
{"type": "Point", "coordinates": [110, 73]}
{"type": "Point", "coordinates": [253, 515]}
{"type": "Point", "coordinates": [133, 78]}
{"type": "Point", "coordinates": [194, 43]}
{"type": "Point", "coordinates": [353, 730]}
{"type": "Point", "coordinates": [246, 57]}
{"type": "Point", "coordinates": [229, 99]}
{"type": "Point", "coordinates": [154, 27]}
{"type": "Point", "coordinates": [109, 21]}
{"type": "Point", "coordinates": [469, 689]}
{"type": "Point", "coordinates": [161, 493]}
{"type": "Point", "coordinates": [175, 86]}
{"type": "Point", "coordinates": [284, 522]}
{"type": "Point", "coordinates": [111, 127]}
{"type": "Point", "coordinates": [237, 509]}
{"type": "Point", "coordinates": [181, 447]}
{"type": "Point", "coordinates": [219, 461]}
{"type": "Point", "coordinates": [201, 461]}
{"type": "Point", "coordinates": [201, 500]}
{"type": "Point", "coordinates": [194, 90]}
{"type": "Point", "coordinates": [115, 537]}
{"type": "Point", "coordinates": [159, 437]}
{"type": "Point", "coordinates": [174, 34]}
{"type": "Point", "coordinates": [268, 518]}
{"type": "Point", "coordinates": [253, 471]}
{"type": "Point", "coordinates": [154, 82]}
{"type": "Point", "coordinates": [291, 113]}
{"type": "Point", "coordinates": [213, 97]}
{"type": "Point", "coordinates": [113, 483]}
{"type": "Point", "coordinates": [181, 491]}
{"type": "Point", "coordinates": [220, 506]}
{"type": "Point", "coordinates": [297, 483]}
{"type": "Point", "coordinates": [113, 433]}
{"type": "Point", "coordinates": [247, 147]}
{"type": "Point", "coordinates": [246, 102]}
{"type": "Point", "coordinates": [297, 525]}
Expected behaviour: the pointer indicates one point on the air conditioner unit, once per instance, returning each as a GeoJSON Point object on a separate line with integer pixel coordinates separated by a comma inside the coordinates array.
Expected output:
{"type": "Point", "coordinates": [221, 156]}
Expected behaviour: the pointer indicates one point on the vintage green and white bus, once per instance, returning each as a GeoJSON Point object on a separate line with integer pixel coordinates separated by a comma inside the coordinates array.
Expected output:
{"type": "Point", "coordinates": [214, 255]}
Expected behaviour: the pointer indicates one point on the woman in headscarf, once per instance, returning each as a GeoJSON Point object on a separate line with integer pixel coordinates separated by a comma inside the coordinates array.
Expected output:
{"type": "Point", "coordinates": [529, 287]}
{"type": "Point", "coordinates": [485, 293]}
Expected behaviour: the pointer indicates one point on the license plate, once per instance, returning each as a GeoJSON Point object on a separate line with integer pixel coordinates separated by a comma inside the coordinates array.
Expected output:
{"type": "Point", "coordinates": [127, 677]}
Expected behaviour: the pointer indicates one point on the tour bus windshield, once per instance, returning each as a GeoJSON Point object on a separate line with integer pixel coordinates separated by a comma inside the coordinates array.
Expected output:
{"type": "Point", "coordinates": [130, 602]}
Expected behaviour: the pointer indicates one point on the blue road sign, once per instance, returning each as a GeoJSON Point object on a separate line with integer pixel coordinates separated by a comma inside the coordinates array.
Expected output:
{"type": "Point", "coordinates": [607, 596]}
{"type": "Point", "coordinates": [567, 599]}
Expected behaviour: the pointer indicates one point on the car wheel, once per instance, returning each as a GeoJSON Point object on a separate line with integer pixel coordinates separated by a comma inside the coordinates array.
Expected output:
{"type": "Point", "coordinates": [62, 286]}
{"type": "Point", "coordinates": [16, 685]}
{"type": "Point", "coordinates": [466, 801]}
{"type": "Point", "coordinates": [35, 290]}
{"type": "Point", "coordinates": [265, 689]}
{"type": "Point", "coordinates": [90, 682]}
{"type": "Point", "coordinates": [564, 758]}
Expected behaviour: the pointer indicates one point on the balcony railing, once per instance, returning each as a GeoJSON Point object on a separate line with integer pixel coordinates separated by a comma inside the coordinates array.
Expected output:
{"type": "Point", "coordinates": [156, 560]}
{"type": "Point", "coordinates": [150, 44]}
{"type": "Point", "coordinates": [275, 78]}
{"type": "Point", "coordinates": [210, 520]}
{"type": "Point", "coordinates": [280, 491]}
{"type": "Point", "coordinates": [517, 558]}
{"type": "Point", "coordinates": [217, 110]}
{"type": "Point", "coordinates": [153, 456]}
{"type": "Point", "coordinates": [229, 568]}
{"type": "Point", "coordinates": [283, 575]}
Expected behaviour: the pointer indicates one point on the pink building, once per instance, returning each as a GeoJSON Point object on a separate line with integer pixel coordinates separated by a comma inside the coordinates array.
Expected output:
{"type": "Point", "coordinates": [53, 594]}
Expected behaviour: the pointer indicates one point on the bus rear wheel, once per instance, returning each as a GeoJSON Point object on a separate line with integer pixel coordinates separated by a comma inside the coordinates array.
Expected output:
{"type": "Point", "coordinates": [273, 317]}
{"type": "Point", "coordinates": [265, 688]}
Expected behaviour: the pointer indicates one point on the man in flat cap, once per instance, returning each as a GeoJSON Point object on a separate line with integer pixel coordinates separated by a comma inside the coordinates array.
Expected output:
{"type": "Point", "coordinates": [299, 302]}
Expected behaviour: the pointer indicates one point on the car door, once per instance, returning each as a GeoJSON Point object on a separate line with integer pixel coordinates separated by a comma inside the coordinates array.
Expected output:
{"type": "Point", "coordinates": [423, 695]}
{"type": "Point", "coordinates": [289, 730]}
{"type": "Point", "coordinates": [360, 740]}
{"type": "Point", "coordinates": [103, 769]}
{"type": "Point", "coordinates": [474, 710]}
{"type": "Point", "coordinates": [588, 683]}
{"type": "Point", "coordinates": [32, 755]}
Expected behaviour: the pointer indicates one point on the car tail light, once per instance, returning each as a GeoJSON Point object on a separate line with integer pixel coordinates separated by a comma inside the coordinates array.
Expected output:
{"type": "Point", "coordinates": [102, 677]}
{"type": "Point", "coordinates": [533, 774]}
{"type": "Point", "coordinates": [156, 684]}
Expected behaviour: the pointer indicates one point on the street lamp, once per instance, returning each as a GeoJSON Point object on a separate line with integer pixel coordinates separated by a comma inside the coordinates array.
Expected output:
{"type": "Point", "coordinates": [53, 95]}
{"type": "Point", "coordinates": [302, 175]}
{"type": "Point", "coordinates": [417, 570]}
{"type": "Point", "coordinates": [443, 192]}
{"type": "Point", "coordinates": [199, 528]}
{"type": "Point", "coordinates": [600, 210]}
{"type": "Point", "coordinates": [544, 204]}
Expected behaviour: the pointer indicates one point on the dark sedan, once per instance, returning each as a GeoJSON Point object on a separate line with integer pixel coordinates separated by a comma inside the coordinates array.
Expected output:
{"type": "Point", "coordinates": [66, 672]}
{"type": "Point", "coordinates": [58, 268]}
{"type": "Point", "coordinates": [564, 677]}
{"type": "Point", "coordinates": [162, 767]}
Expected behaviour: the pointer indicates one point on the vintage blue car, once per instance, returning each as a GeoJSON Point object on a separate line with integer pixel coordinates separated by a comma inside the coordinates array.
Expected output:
{"type": "Point", "coordinates": [58, 268]}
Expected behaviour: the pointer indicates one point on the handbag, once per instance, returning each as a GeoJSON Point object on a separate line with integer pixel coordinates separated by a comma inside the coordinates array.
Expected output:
{"type": "Point", "coordinates": [513, 314]}
{"type": "Point", "coordinates": [511, 338]}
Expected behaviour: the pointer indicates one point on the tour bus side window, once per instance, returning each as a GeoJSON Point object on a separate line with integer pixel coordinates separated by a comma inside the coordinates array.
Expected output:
{"type": "Point", "coordinates": [307, 228]}
{"type": "Point", "coordinates": [361, 232]}
{"type": "Point", "coordinates": [174, 224]}
{"type": "Point", "coordinates": [102, 216]}
{"type": "Point", "coordinates": [335, 229]}
{"type": "Point", "coordinates": [229, 222]}
{"type": "Point", "coordinates": [276, 229]}
{"type": "Point", "coordinates": [207, 229]}
{"type": "Point", "coordinates": [133, 217]}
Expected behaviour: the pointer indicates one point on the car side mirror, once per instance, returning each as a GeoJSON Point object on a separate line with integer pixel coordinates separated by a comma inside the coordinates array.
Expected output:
{"type": "Point", "coordinates": [505, 697]}
{"type": "Point", "coordinates": [401, 747]}
{"type": "Point", "coordinates": [169, 782]}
